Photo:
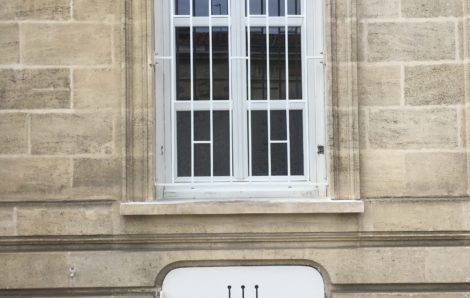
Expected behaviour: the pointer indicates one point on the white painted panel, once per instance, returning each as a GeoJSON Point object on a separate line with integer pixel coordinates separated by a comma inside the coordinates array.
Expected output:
{"type": "Point", "coordinates": [272, 282]}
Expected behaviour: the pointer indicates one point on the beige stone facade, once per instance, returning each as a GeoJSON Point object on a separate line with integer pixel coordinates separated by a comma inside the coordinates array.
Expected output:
{"type": "Point", "coordinates": [76, 143]}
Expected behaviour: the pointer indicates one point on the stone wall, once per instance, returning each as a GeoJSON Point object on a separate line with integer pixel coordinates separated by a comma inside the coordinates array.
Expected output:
{"type": "Point", "coordinates": [62, 163]}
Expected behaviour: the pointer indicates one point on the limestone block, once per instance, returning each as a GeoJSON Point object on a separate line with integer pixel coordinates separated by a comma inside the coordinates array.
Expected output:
{"type": "Point", "coordinates": [72, 134]}
{"type": "Point", "coordinates": [97, 89]}
{"type": "Point", "coordinates": [7, 222]}
{"type": "Point", "coordinates": [33, 270]}
{"type": "Point", "coordinates": [413, 128]}
{"type": "Point", "coordinates": [13, 134]}
{"type": "Point", "coordinates": [33, 177]}
{"type": "Point", "coordinates": [379, 85]}
{"type": "Point", "coordinates": [9, 44]}
{"type": "Point", "coordinates": [64, 220]}
{"type": "Point", "coordinates": [415, 214]}
{"type": "Point", "coordinates": [411, 41]}
{"type": "Point", "coordinates": [434, 84]}
{"type": "Point", "coordinates": [431, 8]}
{"type": "Point", "coordinates": [382, 174]}
{"type": "Point", "coordinates": [97, 178]}
{"type": "Point", "coordinates": [436, 174]}
{"type": "Point", "coordinates": [401, 295]}
{"type": "Point", "coordinates": [69, 44]}
{"type": "Point", "coordinates": [35, 10]}
{"type": "Point", "coordinates": [95, 10]}
{"type": "Point", "coordinates": [34, 89]}
{"type": "Point", "coordinates": [378, 8]}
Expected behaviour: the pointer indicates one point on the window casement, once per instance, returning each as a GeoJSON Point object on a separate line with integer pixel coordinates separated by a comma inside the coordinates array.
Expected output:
{"type": "Point", "coordinates": [239, 99]}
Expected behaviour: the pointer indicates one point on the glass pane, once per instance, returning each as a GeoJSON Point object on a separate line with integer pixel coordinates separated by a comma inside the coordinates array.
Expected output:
{"type": "Point", "coordinates": [219, 7]}
{"type": "Point", "coordinates": [202, 126]}
{"type": "Point", "coordinates": [221, 143]}
{"type": "Point", "coordinates": [202, 160]}
{"type": "Point", "coordinates": [257, 7]}
{"type": "Point", "coordinates": [259, 143]}
{"type": "Point", "coordinates": [182, 7]}
{"type": "Point", "coordinates": [200, 8]}
{"type": "Point", "coordinates": [201, 63]}
{"type": "Point", "coordinates": [276, 7]}
{"type": "Point", "coordinates": [277, 63]}
{"type": "Point", "coordinates": [293, 6]}
{"type": "Point", "coordinates": [296, 143]}
{"type": "Point", "coordinates": [258, 63]}
{"type": "Point", "coordinates": [183, 139]}
{"type": "Point", "coordinates": [220, 63]}
{"type": "Point", "coordinates": [278, 126]}
{"type": "Point", "coordinates": [279, 159]}
{"type": "Point", "coordinates": [295, 63]}
{"type": "Point", "coordinates": [183, 68]}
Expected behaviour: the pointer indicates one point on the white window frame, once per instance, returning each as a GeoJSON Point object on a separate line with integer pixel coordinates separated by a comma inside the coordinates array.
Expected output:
{"type": "Point", "coordinates": [315, 182]}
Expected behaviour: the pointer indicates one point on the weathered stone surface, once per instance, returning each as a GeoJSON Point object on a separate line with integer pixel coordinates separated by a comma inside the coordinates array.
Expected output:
{"type": "Point", "coordinates": [95, 10]}
{"type": "Point", "coordinates": [415, 214]}
{"type": "Point", "coordinates": [9, 44]}
{"type": "Point", "coordinates": [97, 178]}
{"type": "Point", "coordinates": [71, 134]}
{"type": "Point", "coordinates": [382, 174]}
{"type": "Point", "coordinates": [379, 85]}
{"type": "Point", "coordinates": [413, 128]}
{"type": "Point", "coordinates": [97, 89]}
{"type": "Point", "coordinates": [33, 178]}
{"type": "Point", "coordinates": [378, 8]}
{"type": "Point", "coordinates": [34, 89]}
{"type": "Point", "coordinates": [64, 220]}
{"type": "Point", "coordinates": [402, 295]}
{"type": "Point", "coordinates": [431, 8]}
{"type": "Point", "coordinates": [13, 134]}
{"type": "Point", "coordinates": [68, 44]}
{"type": "Point", "coordinates": [434, 85]}
{"type": "Point", "coordinates": [436, 174]}
{"type": "Point", "coordinates": [7, 222]}
{"type": "Point", "coordinates": [411, 41]}
{"type": "Point", "coordinates": [34, 9]}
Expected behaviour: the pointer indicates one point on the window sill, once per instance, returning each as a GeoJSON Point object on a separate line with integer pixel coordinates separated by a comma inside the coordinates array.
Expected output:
{"type": "Point", "coordinates": [293, 206]}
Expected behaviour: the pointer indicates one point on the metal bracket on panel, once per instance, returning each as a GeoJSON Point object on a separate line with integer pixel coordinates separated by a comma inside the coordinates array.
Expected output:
{"type": "Point", "coordinates": [320, 149]}
{"type": "Point", "coordinates": [157, 58]}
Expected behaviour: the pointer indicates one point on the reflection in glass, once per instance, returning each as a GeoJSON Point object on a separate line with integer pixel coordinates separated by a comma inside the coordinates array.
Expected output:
{"type": "Point", "coordinates": [220, 63]}
{"type": "Point", "coordinates": [258, 63]}
{"type": "Point", "coordinates": [221, 132]}
{"type": "Point", "coordinates": [219, 7]}
{"type": "Point", "coordinates": [183, 67]}
{"type": "Point", "coordinates": [257, 7]}
{"type": "Point", "coordinates": [295, 63]}
{"type": "Point", "coordinates": [259, 143]}
{"type": "Point", "coordinates": [201, 68]}
{"type": "Point", "coordinates": [277, 62]}
{"type": "Point", "coordinates": [183, 146]}
{"type": "Point", "coordinates": [200, 8]}
{"type": "Point", "coordinates": [182, 7]}
{"type": "Point", "coordinates": [202, 160]}
{"type": "Point", "coordinates": [202, 126]}
{"type": "Point", "coordinates": [276, 7]}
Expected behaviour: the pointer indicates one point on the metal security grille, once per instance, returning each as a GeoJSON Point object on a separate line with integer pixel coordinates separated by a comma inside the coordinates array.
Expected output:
{"type": "Point", "coordinates": [244, 104]}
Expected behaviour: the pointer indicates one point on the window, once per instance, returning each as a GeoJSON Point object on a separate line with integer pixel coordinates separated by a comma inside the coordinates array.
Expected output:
{"type": "Point", "coordinates": [244, 281]}
{"type": "Point", "coordinates": [240, 98]}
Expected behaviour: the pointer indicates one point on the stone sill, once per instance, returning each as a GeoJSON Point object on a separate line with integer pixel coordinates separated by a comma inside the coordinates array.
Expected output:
{"type": "Point", "coordinates": [294, 206]}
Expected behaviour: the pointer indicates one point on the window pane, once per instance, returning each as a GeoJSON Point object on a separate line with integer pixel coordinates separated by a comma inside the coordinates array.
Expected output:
{"type": "Point", "coordinates": [295, 63]}
{"type": "Point", "coordinates": [182, 7]}
{"type": "Point", "coordinates": [183, 139]}
{"type": "Point", "coordinates": [279, 159]}
{"type": "Point", "coordinates": [183, 68]}
{"type": "Point", "coordinates": [201, 63]}
{"type": "Point", "coordinates": [219, 7]}
{"type": "Point", "coordinates": [277, 63]}
{"type": "Point", "coordinates": [202, 126]}
{"type": "Point", "coordinates": [278, 126]}
{"type": "Point", "coordinates": [296, 143]}
{"type": "Point", "coordinates": [257, 7]}
{"type": "Point", "coordinates": [276, 7]}
{"type": "Point", "coordinates": [293, 6]}
{"type": "Point", "coordinates": [259, 143]}
{"type": "Point", "coordinates": [221, 143]}
{"type": "Point", "coordinates": [220, 61]}
{"type": "Point", "coordinates": [200, 8]}
{"type": "Point", "coordinates": [258, 63]}
{"type": "Point", "coordinates": [202, 160]}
